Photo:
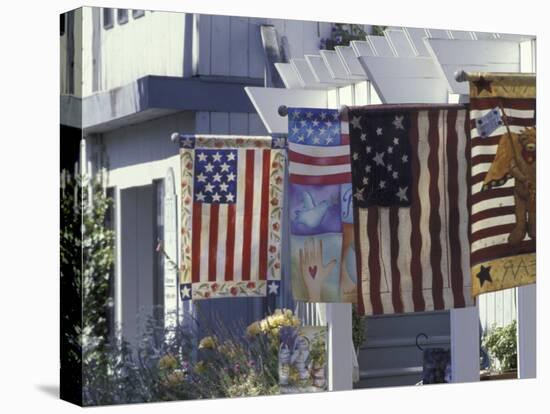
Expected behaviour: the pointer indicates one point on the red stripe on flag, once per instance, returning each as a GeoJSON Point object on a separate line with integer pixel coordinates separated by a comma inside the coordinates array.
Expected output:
{"type": "Point", "coordinates": [247, 222]}
{"type": "Point", "coordinates": [344, 139]}
{"type": "Point", "coordinates": [435, 220]}
{"type": "Point", "coordinates": [394, 252]}
{"type": "Point", "coordinates": [493, 212]}
{"type": "Point", "coordinates": [230, 242]}
{"type": "Point", "coordinates": [507, 103]}
{"type": "Point", "coordinates": [502, 250]}
{"type": "Point", "coordinates": [454, 212]}
{"type": "Point", "coordinates": [358, 260]}
{"type": "Point", "coordinates": [341, 178]}
{"type": "Point", "coordinates": [307, 159]}
{"type": "Point", "coordinates": [196, 243]}
{"type": "Point", "coordinates": [213, 241]}
{"type": "Point", "coordinates": [374, 261]}
{"type": "Point", "coordinates": [264, 211]}
{"type": "Point", "coordinates": [416, 236]}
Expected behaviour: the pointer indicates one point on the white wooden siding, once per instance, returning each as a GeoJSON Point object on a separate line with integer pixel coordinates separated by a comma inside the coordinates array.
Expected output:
{"type": "Point", "coordinates": [150, 45]}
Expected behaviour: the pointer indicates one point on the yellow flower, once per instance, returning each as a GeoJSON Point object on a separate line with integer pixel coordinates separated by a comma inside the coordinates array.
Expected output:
{"type": "Point", "coordinates": [168, 362]}
{"type": "Point", "coordinates": [295, 321]}
{"type": "Point", "coordinates": [263, 325]}
{"type": "Point", "coordinates": [254, 329]}
{"type": "Point", "coordinates": [175, 378]}
{"type": "Point", "coordinates": [208, 342]}
{"type": "Point", "coordinates": [288, 313]}
{"type": "Point", "coordinates": [200, 367]}
{"type": "Point", "coordinates": [278, 312]}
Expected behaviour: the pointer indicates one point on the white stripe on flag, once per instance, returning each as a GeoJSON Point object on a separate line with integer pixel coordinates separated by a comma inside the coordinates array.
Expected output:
{"type": "Point", "coordinates": [493, 203]}
{"type": "Point", "coordinates": [384, 257]}
{"type": "Point", "coordinates": [462, 172]}
{"type": "Point", "coordinates": [425, 206]}
{"type": "Point", "coordinates": [314, 151]}
{"type": "Point", "coordinates": [493, 221]}
{"type": "Point", "coordinates": [500, 239]}
{"type": "Point", "coordinates": [239, 215]}
{"type": "Point", "coordinates": [205, 241]}
{"type": "Point", "coordinates": [222, 238]}
{"type": "Point", "coordinates": [484, 150]}
{"type": "Point", "coordinates": [256, 213]}
{"type": "Point", "coordinates": [499, 131]}
{"type": "Point", "coordinates": [443, 201]}
{"type": "Point", "coordinates": [404, 258]}
{"type": "Point", "coordinates": [476, 188]}
{"type": "Point", "coordinates": [515, 113]}
{"type": "Point", "coordinates": [481, 167]}
{"type": "Point", "coordinates": [317, 170]}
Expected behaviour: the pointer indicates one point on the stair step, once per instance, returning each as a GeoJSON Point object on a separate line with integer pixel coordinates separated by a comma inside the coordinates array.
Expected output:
{"type": "Point", "coordinates": [408, 325]}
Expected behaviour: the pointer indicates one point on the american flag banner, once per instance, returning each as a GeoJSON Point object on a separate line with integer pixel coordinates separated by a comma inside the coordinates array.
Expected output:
{"type": "Point", "coordinates": [232, 194]}
{"type": "Point", "coordinates": [320, 207]}
{"type": "Point", "coordinates": [410, 175]}
{"type": "Point", "coordinates": [503, 182]}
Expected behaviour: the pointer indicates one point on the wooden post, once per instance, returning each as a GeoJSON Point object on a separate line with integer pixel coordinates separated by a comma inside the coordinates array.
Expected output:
{"type": "Point", "coordinates": [527, 295]}
{"type": "Point", "coordinates": [170, 245]}
{"type": "Point", "coordinates": [340, 359]}
{"type": "Point", "coordinates": [527, 331]}
{"type": "Point", "coordinates": [465, 344]}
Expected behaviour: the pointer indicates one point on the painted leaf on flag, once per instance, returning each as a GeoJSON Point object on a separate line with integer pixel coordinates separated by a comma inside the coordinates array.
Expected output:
{"type": "Point", "coordinates": [232, 191]}
{"type": "Point", "coordinates": [320, 207]}
{"type": "Point", "coordinates": [412, 256]}
{"type": "Point", "coordinates": [503, 182]}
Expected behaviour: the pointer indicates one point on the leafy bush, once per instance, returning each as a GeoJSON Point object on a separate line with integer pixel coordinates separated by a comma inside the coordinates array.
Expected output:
{"type": "Point", "coordinates": [501, 342]}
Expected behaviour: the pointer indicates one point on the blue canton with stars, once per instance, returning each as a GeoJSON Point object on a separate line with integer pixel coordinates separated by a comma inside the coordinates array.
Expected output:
{"type": "Point", "coordinates": [215, 180]}
{"type": "Point", "coordinates": [380, 157]}
{"type": "Point", "coordinates": [310, 126]}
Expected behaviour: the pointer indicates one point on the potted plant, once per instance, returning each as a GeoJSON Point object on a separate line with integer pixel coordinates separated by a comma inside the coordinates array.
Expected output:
{"type": "Point", "coordinates": [501, 343]}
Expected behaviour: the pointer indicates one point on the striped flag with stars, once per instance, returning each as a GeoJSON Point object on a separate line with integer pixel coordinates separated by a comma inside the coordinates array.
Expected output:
{"type": "Point", "coordinates": [503, 180]}
{"type": "Point", "coordinates": [409, 175]}
{"type": "Point", "coordinates": [232, 191]}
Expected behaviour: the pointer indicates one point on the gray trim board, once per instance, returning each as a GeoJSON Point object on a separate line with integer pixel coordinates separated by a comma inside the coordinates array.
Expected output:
{"type": "Point", "coordinates": [153, 96]}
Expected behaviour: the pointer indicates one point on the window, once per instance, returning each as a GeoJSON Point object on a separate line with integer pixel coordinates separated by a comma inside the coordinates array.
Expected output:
{"type": "Point", "coordinates": [62, 23]}
{"type": "Point", "coordinates": [136, 14]}
{"type": "Point", "coordinates": [122, 16]}
{"type": "Point", "coordinates": [108, 18]}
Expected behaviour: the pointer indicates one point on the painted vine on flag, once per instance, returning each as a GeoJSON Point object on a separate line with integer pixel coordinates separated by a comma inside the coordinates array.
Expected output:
{"type": "Point", "coordinates": [503, 216]}
{"type": "Point", "coordinates": [232, 195]}
{"type": "Point", "coordinates": [320, 207]}
{"type": "Point", "coordinates": [410, 189]}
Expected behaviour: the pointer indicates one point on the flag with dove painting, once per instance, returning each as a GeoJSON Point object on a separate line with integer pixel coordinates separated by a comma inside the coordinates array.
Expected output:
{"type": "Point", "coordinates": [231, 198]}
{"type": "Point", "coordinates": [410, 173]}
{"type": "Point", "coordinates": [320, 207]}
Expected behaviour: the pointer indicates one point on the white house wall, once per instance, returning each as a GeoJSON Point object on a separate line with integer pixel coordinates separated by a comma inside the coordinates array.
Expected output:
{"type": "Point", "coordinates": [150, 45]}
{"type": "Point", "coordinates": [231, 45]}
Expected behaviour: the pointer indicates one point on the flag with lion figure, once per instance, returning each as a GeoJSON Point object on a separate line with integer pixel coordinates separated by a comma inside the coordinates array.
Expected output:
{"type": "Point", "coordinates": [503, 180]}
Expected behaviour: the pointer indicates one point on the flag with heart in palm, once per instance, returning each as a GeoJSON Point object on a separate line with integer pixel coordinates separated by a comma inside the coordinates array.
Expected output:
{"type": "Point", "coordinates": [320, 208]}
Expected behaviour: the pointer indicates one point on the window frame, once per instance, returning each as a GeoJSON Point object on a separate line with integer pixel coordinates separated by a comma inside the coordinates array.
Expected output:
{"type": "Point", "coordinates": [107, 11]}
{"type": "Point", "coordinates": [122, 18]}
{"type": "Point", "coordinates": [137, 13]}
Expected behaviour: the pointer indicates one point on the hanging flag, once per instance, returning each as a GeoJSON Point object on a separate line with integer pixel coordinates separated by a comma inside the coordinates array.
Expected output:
{"type": "Point", "coordinates": [232, 191]}
{"type": "Point", "coordinates": [320, 207]}
{"type": "Point", "coordinates": [411, 241]}
{"type": "Point", "coordinates": [503, 182]}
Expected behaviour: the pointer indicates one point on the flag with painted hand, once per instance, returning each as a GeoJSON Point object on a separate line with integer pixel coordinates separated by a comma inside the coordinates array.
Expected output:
{"type": "Point", "coordinates": [320, 207]}
{"type": "Point", "coordinates": [410, 175]}
{"type": "Point", "coordinates": [503, 182]}
{"type": "Point", "coordinates": [232, 195]}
